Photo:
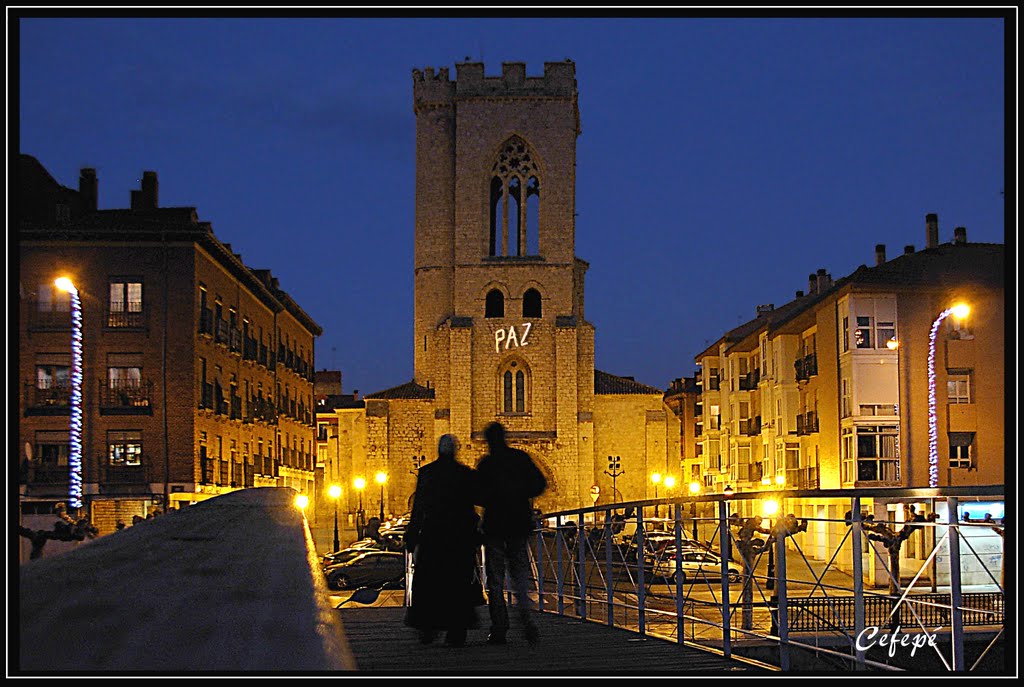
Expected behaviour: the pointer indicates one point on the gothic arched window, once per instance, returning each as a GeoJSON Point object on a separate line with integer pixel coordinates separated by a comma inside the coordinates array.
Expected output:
{"type": "Point", "coordinates": [514, 215]}
{"type": "Point", "coordinates": [531, 303]}
{"type": "Point", "coordinates": [495, 306]}
{"type": "Point", "coordinates": [514, 388]}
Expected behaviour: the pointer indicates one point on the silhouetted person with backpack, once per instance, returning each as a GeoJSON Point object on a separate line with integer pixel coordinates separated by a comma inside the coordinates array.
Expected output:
{"type": "Point", "coordinates": [508, 480]}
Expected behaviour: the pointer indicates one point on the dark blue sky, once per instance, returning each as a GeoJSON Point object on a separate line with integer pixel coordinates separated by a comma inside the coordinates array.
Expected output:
{"type": "Point", "coordinates": [721, 160]}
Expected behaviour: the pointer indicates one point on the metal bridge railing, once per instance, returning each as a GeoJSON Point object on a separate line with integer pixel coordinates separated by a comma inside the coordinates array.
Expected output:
{"type": "Point", "coordinates": [829, 571]}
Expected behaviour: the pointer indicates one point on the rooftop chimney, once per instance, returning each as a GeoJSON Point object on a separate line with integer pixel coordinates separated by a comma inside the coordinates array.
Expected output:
{"type": "Point", "coordinates": [147, 198]}
{"type": "Point", "coordinates": [799, 294]}
{"type": "Point", "coordinates": [823, 279]}
{"type": "Point", "coordinates": [907, 250]}
{"type": "Point", "coordinates": [931, 221]}
{"type": "Point", "coordinates": [812, 284]}
{"type": "Point", "coordinates": [960, 235]}
{"type": "Point", "coordinates": [88, 189]}
{"type": "Point", "coordinates": [880, 254]}
{"type": "Point", "coordinates": [762, 309]}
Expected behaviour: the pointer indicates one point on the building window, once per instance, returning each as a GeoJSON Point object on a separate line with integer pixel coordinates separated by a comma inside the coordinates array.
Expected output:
{"type": "Point", "coordinates": [514, 391]}
{"type": "Point", "coordinates": [847, 401]}
{"type": "Point", "coordinates": [50, 376]}
{"type": "Point", "coordinates": [52, 449]}
{"type": "Point", "coordinates": [531, 303]}
{"type": "Point", "coordinates": [877, 459]}
{"type": "Point", "coordinates": [846, 334]}
{"type": "Point", "coordinates": [124, 448]}
{"type": "Point", "coordinates": [862, 336]}
{"type": "Point", "coordinates": [958, 387]}
{"type": "Point", "coordinates": [51, 299]}
{"type": "Point", "coordinates": [514, 219]}
{"type": "Point", "coordinates": [495, 306]}
{"type": "Point", "coordinates": [125, 308]}
{"type": "Point", "coordinates": [886, 333]}
{"type": "Point", "coordinates": [961, 450]}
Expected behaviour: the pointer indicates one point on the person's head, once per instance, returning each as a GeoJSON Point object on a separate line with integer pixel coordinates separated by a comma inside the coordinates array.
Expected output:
{"type": "Point", "coordinates": [447, 446]}
{"type": "Point", "coordinates": [495, 435]}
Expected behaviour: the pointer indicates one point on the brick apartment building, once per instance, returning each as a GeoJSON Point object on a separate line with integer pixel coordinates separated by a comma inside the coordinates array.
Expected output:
{"type": "Point", "coordinates": [198, 371]}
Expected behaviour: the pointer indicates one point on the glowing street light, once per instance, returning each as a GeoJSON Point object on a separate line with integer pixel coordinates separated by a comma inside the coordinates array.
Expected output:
{"type": "Point", "coordinates": [959, 311]}
{"type": "Point", "coordinates": [694, 490]}
{"type": "Point", "coordinates": [381, 478]}
{"type": "Point", "coordinates": [335, 493]}
{"type": "Point", "coordinates": [301, 501]}
{"type": "Point", "coordinates": [656, 479]}
{"type": "Point", "coordinates": [75, 459]}
{"type": "Point", "coordinates": [780, 480]}
{"type": "Point", "coordinates": [359, 483]}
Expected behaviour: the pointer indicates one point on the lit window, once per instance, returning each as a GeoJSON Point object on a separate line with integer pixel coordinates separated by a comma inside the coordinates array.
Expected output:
{"type": "Point", "coordinates": [961, 449]}
{"type": "Point", "coordinates": [862, 335]}
{"type": "Point", "coordinates": [958, 387]}
{"type": "Point", "coordinates": [124, 448]}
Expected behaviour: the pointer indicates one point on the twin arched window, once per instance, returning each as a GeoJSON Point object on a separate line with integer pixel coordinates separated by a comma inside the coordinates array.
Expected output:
{"type": "Point", "coordinates": [514, 380]}
{"type": "Point", "coordinates": [495, 303]}
{"type": "Point", "coordinates": [514, 202]}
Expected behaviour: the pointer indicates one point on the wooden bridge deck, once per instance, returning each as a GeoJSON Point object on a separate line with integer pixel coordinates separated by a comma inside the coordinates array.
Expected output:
{"type": "Point", "coordinates": [381, 644]}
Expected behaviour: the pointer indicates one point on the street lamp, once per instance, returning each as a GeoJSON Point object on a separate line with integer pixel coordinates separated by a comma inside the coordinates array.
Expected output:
{"type": "Point", "coordinates": [656, 479]}
{"type": "Point", "coordinates": [335, 493]}
{"type": "Point", "coordinates": [959, 311]}
{"type": "Point", "coordinates": [359, 483]}
{"type": "Point", "coordinates": [381, 478]}
{"type": "Point", "coordinates": [75, 438]}
{"type": "Point", "coordinates": [613, 466]}
{"type": "Point", "coordinates": [301, 501]}
{"type": "Point", "coordinates": [694, 490]}
{"type": "Point", "coordinates": [770, 508]}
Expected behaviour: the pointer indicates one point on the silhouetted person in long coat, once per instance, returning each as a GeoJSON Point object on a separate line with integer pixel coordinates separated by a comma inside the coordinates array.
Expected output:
{"type": "Point", "coordinates": [443, 535]}
{"type": "Point", "coordinates": [508, 480]}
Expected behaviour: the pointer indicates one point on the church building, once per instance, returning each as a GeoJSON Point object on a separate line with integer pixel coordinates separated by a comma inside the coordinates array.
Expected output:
{"type": "Point", "coordinates": [500, 332]}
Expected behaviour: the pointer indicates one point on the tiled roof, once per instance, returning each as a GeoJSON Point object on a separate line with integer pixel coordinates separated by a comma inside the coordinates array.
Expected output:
{"type": "Point", "coordinates": [605, 383]}
{"type": "Point", "coordinates": [409, 390]}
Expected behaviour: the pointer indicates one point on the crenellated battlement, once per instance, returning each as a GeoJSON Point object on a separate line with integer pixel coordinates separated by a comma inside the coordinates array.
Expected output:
{"type": "Point", "coordinates": [559, 81]}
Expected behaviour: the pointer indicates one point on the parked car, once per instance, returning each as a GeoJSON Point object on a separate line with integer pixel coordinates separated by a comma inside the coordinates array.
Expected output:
{"type": "Point", "coordinates": [346, 554]}
{"type": "Point", "coordinates": [371, 568]}
{"type": "Point", "coordinates": [695, 564]}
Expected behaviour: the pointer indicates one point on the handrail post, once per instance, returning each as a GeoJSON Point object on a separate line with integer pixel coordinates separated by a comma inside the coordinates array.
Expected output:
{"type": "Point", "coordinates": [641, 593]}
{"type": "Point", "coordinates": [856, 541]}
{"type": "Point", "coordinates": [608, 581]}
{"type": "Point", "coordinates": [559, 571]}
{"type": "Point", "coordinates": [678, 582]}
{"type": "Point", "coordinates": [780, 587]}
{"type": "Point", "coordinates": [581, 546]}
{"type": "Point", "coordinates": [540, 569]}
{"type": "Point", "coordinates": [726, 554]}
{"type": "Point", "coordinates": [955, 589]}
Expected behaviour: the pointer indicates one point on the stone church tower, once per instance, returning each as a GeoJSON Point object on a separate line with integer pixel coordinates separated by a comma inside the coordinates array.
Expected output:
{"type": "Point", "coordinates": [499, 327]}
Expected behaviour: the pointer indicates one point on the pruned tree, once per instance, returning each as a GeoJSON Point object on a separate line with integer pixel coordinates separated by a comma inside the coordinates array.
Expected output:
{"type": "Point", "coordinates": [64, 529]}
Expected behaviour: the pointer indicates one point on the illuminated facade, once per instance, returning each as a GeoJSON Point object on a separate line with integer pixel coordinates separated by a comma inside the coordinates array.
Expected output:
{"type": "Point", "coordinates": [499, 330]}
{"type": "Point", "coordinates": [831, 389]}
{"type": "Point", "coordinates": [197, 371]}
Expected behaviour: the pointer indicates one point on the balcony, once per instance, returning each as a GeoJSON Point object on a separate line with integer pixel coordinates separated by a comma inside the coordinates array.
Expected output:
{"type": "Point", "coordinates": [806, 423]}
{"type": "Point", "coordinates": [36, 473]}
{"type": "Point", "coordinates": [126, 398]}
{"type": "Point", "coordinates": [750, 427]}
{"type": "Point", "coordinates": [125, 474]}
{"type": "Point", "coordinates": [802, 478]}
{"type": "Point", "coordinates": [806, 367]}
{"type": "Point", "coordinates": [234, 340]}
{"type": "Point", "coordinates": [222, 333]}
{"type": "Point", "coordinates": [126, 316]}
{"type": "Point", "coordinates": [54, 400]}
{"type": "Point", "coordinates": [43, 320]}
